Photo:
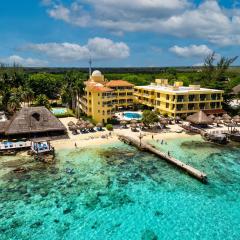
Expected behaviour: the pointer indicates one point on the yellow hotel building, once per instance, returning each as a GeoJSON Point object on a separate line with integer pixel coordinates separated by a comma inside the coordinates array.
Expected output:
{"type": "Point", "coordinates": [102, 98]}
{"type": "Point", "coordinates": [178, 100]}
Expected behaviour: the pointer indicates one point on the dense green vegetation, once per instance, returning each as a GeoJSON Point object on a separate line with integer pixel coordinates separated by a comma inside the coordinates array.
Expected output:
{"type": "Point", "coordinates": [19, 87]}
{"type": "Point", "coordinates": [149, 117]}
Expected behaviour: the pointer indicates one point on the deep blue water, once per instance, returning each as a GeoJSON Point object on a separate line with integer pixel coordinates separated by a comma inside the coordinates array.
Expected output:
{"type": "Point", "coordinates": [118, 193]}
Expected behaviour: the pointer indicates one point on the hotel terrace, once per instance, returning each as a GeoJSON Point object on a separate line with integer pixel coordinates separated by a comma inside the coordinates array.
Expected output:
{"type": "Point", "coordinates": [102, 98]}
{"type": "Point", "coordinates": [178, 100]}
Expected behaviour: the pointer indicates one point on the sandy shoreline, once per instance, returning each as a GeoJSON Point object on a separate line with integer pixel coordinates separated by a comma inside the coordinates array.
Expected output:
{"type": "Point", "coordinates": [102, 137]}
{"type": "Point", "coordinates": [95, 139]}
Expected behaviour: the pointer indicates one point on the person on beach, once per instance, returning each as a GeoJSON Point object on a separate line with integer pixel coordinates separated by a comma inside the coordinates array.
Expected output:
{"type": "Point", "coordinates": [75, 145]}
{"type": "Point", "coordinates": [152, 136]}
{"type": "Point", "coordinates": [162, 142]}
{"type": "Point", "coordinates": [168, 153]}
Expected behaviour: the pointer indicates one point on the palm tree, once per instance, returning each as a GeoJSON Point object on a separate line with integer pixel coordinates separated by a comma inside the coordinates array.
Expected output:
{"type": "Point", "coordinates": [14, 103]}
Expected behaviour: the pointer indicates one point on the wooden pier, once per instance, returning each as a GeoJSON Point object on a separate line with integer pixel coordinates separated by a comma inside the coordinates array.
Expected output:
{"type": "Point", "coordinates": [149, 148]}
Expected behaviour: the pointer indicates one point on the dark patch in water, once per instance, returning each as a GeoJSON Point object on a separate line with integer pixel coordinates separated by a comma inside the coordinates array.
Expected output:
{"type": "Point", "coordinates": [149, 235]}
{"type": "Point", "coordinates": [158, 213]}
{"type": "Point", "coordinates": [36, 224]}
{"type": "Point", "coordinates": [16, 223]}
{"type": "Point", "coordinates": [67, 210]}
{"type": "Point", "coordinates": [95, 225]}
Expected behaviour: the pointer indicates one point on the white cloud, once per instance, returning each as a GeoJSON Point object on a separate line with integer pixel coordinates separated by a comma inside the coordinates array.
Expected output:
{"type": "Point", "coordinates": [26, 62]}
{"type": "Point", "coordinates": [191, 51]}
{"type": "Point", "coordinates": [180, 18]}
{"type": "Point", "coordinates": [75, 14]}
{"type": "Point", "coordinates": [98, 48]}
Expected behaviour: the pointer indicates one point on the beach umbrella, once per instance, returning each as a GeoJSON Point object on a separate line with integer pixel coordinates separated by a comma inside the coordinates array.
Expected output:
{"type": "Point", "coordinates": [163, 121]}
{"type": "Point", "coordinates": [79, 122]}
{"type": "Point", "coordinates": [123, 123]}
{"type": "Point", "coordinates": [73, 127]}
{"type": "Point", "coordinates": [227, 121]}
{"type": "Point", "coordinates": [217, 121]}
{"type": "Point", "coordinates": [71, 123]}
{"type": "Point", "coordinates": [80, 127]}
{"type": "Point", "coordinates": [211, 116]}
{"type": "Point", "coordinates": [90, 126]}
{"type": "Point", "coordinates": [133, 125]}
{"type": "Point", "coordinates": [133, 121]}
{"type": "Point", "coordinates": [236, 118]}
{"type": "Point", "coordinates": [226, 116]}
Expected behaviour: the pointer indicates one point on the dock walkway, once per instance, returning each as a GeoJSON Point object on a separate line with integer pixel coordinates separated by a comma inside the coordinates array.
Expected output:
{"type": "Point", "coordinates": [149, 148]}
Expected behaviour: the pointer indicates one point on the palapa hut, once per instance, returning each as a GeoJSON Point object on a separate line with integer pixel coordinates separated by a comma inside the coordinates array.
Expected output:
{"type": "Point", "coordinates": [3, 126]}
{"type": "Point", "coordinates": [199, 118]}
{"type": "Point", "coordinates": [34, 121]}
{"type": "Point", "coordinates": [236, 89]}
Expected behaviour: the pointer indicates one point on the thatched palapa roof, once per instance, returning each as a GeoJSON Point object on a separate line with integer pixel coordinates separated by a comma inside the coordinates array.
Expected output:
{"type": "Point", "coordinates": [236, 89]}
{"type": "Point", "coordinates": [199, 118]}
{"type": "Point", "coordinates": [3, 126]}
{"type": "Point", "coordinates": [33, 120]}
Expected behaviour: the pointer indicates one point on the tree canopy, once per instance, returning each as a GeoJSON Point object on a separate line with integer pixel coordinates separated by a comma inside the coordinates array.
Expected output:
{"type": "Point", "coordinates": [149, 117]}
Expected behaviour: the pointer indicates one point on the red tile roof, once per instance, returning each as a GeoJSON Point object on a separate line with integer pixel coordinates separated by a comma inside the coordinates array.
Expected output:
{"type": "Point", "coordinates": [119, 83]}
{"type": "Point", "coordinates": [101, 89]}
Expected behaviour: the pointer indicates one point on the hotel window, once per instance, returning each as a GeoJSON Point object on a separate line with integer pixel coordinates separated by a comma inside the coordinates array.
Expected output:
{"type": "Point", "coordinates": [167, 97]}
{"type": "Point", "coordinates": [103, 112]}
{"type": "Point", "coordinates": [214, 96]}
{"type": "Point", "coordinates": [179, 107]}
{"type": "Point", "coordinates": [202, 105]}
{"type": "Point", "coordinates": [98, 103]}
{"type": "Point", "coordinates": [191, 106]}
{"type": "Point", "coordinates": [98, 111]}
{"type": "Point", "coordinates": [158, 95]}
{"type": "Point", "coordinates": [180, 98]}
{"type": "Point", "coordinates": [167, 105]}
{"type": "Point", "coordinates": [191, 98]}
{"type": "Point", "coordinates": [202, 97]}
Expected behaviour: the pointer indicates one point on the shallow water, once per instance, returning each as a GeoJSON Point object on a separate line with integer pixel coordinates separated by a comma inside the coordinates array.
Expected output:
{"type": "Point", "coordinates": [117, 192]}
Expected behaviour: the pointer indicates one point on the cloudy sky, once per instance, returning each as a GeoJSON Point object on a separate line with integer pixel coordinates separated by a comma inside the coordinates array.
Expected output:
{"type": "Point", "coordinates": [117, 32]}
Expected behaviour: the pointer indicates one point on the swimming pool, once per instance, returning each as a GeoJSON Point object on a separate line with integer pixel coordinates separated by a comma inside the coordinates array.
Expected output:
{"type": "Point", "coordinates": [58, 111]}
{"type": "Point", "coordinates": [132, 115]}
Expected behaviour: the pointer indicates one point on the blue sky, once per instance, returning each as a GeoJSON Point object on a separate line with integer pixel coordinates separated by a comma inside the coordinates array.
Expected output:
{"type": "Point", "coordinates": [117, 33]}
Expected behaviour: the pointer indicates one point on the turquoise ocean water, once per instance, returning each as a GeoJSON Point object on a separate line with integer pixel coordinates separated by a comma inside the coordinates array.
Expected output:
{"type": "Point", "coordinates": [117, 192]}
